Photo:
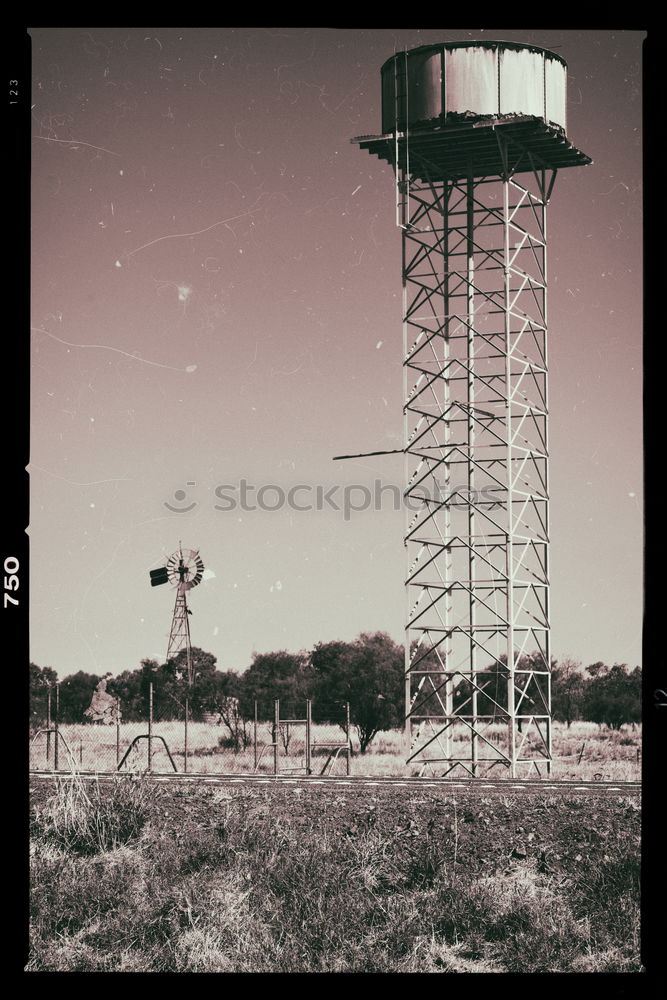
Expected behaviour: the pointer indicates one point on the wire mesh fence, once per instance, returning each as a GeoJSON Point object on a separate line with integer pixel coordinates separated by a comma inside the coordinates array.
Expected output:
{"type": "Point", "coordinates": [41, 734]}
{"type": "Point", "coordinates": [169, 730]}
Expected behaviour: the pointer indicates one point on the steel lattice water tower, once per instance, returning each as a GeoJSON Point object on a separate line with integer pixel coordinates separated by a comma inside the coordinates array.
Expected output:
{"type": "Point", "coordinates": [476, 132]}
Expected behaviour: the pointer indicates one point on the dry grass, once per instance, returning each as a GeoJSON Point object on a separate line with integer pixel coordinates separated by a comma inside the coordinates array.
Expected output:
{"type": "Point", "coordinates": [585, 751]}
{"type": "Point", "coordinates": [252, 881]}
{"type": "Point", "coordinates": [84, 819]}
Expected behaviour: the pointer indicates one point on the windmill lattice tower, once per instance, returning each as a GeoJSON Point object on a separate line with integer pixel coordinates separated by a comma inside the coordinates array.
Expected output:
{"type": "Point", "coordinates": [184, 569]}
{"type": "Point", "coordinates": [475, 133]}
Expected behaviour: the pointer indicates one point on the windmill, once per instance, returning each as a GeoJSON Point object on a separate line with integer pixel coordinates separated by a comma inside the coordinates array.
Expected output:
{"type": "Point", "coordinates": [184, 569]}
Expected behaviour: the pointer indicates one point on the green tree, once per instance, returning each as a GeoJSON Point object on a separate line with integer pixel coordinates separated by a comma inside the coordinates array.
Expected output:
{"type": "Point", "coordinates": [568, 687]}
{"type": "Point", "coordinates": [170, 687]}
{"type": "Point", "coordinates": [126, 686]}
{"type": "Point", "coordinates": [76, 692]}
{"type": "Point", "coordinates": [274, 675]}
{"type": "Point", "coordinates": [491, 689]}
{"type": "Point", "coordinates": [41, 679]}
{"type": "Point", "coordinates": [224, 698]}
{"type": "Point", "coordinates": [150, 674]}
{"type": "Point", "coordinates": [613, 695]}
{"type": "Point", "coordinates": [367, 673]}
{"type": "Point", "coordinates": [172, 680]}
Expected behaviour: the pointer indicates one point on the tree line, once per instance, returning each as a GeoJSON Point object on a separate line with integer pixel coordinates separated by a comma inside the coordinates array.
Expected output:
{"type": "Point", "coordinates": [367, 673]}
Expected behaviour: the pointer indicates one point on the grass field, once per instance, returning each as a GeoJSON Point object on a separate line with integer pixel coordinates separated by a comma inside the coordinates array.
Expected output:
{"type": "Point", "coordinates": [582, 752]}
{"type": "Point", "coordinates": [134, 876]}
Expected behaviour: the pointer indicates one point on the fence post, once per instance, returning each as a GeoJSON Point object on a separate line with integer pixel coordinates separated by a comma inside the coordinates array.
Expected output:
{"type": "Point", "coordinates": [117, 732]}
{"type": "Point", "coordinates": [254, 737]}
{"type": "Point", "coordinates": [48, 725]}
{"type": "Point", "coordinates": [347, 736]}
{"type": "Point", "coordinates": [276, 729]}
{"type": "Point", "coordinates": [56, 724]}
{"type": "Point", "coordinates": [308, 726]}
{"type": "Point", "coordinates": [150, 727]}
{"type": "Point", "coordinates": [185, 735]}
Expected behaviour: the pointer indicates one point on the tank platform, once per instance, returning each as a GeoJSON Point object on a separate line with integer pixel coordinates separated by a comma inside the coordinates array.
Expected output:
{"type": "Point", "coordinates": [438, 150]}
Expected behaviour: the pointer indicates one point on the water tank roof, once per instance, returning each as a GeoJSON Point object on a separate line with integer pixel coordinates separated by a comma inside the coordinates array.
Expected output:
{"type": "Point", "coordinates": [445, 103]}
{"type": "Point", "coordinates": [477, 44]}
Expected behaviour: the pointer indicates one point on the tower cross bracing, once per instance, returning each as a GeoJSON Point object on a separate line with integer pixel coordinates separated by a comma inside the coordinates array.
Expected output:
{"type": "Point", "coordinates": [477, 495]}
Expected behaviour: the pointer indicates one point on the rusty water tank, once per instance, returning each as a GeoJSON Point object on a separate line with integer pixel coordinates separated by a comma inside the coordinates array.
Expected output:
{"type": "Point", "coordinates": [441, 83]}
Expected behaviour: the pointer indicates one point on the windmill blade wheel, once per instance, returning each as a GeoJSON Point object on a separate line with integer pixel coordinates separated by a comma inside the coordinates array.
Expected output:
{"type": "Point", "coordinates": [185, 568]}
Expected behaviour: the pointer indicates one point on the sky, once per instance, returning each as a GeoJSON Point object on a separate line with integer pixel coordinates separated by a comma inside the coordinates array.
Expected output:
{"type": "Point", "coordinates": [216, 300]}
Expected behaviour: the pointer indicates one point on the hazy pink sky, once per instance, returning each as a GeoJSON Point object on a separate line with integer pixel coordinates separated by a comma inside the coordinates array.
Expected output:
{"type": "Point", "coordinates": [213, 213]}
